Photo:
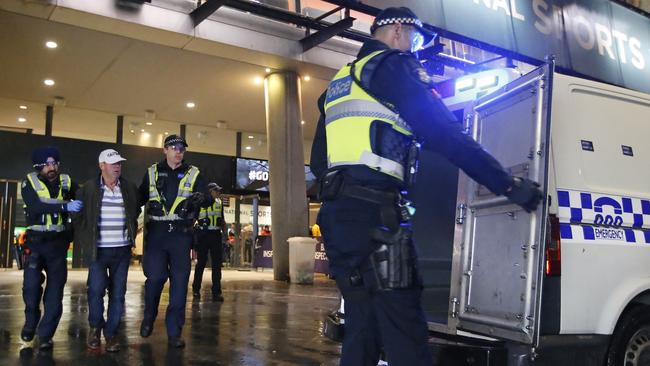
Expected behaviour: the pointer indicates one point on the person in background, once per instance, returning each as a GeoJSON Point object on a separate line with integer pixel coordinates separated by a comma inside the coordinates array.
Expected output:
{"type": "Point", "coordinates": [210, 228]}
{"type": "Point", "coordinates": [49, 198]}
{"type": "Point", "coordinates": [106, 229]}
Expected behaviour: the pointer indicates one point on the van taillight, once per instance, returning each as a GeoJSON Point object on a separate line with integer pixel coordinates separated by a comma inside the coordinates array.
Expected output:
{"type": "Point", "coordinates": [553, 257]}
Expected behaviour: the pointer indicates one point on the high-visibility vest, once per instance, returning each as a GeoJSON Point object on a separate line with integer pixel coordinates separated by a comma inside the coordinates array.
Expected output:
{"type": "Point", "coordinates": [185, 187]}
{"type": "Point", "coordinates": [50, 222]}
{"type": "Point", "coordinates": [213, 214]}
{"type": "Point", "coordinates": [353, 119]}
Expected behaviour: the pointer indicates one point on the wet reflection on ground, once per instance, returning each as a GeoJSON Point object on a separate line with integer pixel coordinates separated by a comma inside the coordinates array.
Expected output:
{"type": "Point", "coordinates": [261, 322]}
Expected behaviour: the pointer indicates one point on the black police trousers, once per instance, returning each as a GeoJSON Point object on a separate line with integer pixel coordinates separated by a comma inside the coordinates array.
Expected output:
{"type": "Point", "coordinates": [47, 256]}
{"type": "Point", "coordinates": [375, 320]}
{"type": "Point", "coordinates": [166, 256]}
{"type": "Point", "coordinates": [208, 242]}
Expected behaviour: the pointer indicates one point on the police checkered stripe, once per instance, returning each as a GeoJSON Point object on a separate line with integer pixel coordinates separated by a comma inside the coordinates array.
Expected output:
{"type": "Point", "coordinates": [581, 233]}
{"type": "Point", "coordinates": [603, 210]}
{"type": "Point", "coordinates": [399, 20]}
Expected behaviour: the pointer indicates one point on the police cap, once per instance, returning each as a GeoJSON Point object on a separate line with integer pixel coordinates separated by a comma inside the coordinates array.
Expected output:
{"type": "Point", "coordinates": [402, 15]}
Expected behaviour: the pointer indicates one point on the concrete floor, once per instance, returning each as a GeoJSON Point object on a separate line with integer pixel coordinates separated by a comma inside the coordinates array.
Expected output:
{"type": "Point", "coordinates": [261, 322]}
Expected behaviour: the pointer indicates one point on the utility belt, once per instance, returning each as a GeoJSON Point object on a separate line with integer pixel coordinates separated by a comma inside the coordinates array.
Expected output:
{"type": "Point", "coordinates": [393, 260]}
{"type": "Point", "coordinates": [209, 229]}
{"type": "Point", "coordinates": [176, 226]}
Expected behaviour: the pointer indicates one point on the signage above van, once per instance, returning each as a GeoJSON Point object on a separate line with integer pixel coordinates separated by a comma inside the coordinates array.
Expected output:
{"type": "Point", "coordinates": [597, 38]}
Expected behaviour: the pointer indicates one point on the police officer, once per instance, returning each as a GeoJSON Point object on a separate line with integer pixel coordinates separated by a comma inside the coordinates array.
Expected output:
{"type": "Point", "coordinates": [211, 226]}
{"type": "Point", "coordinates": [371, 115]}
{"type": "Point", "coordinates": [48, 198]}
{"type": "Point", "coordinates": [174, 192]}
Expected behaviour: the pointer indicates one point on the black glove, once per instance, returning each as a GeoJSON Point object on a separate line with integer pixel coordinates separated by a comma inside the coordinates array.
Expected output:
{"type": "Point", "coordinates": [196, 198]}
{"type": "Point", "coordinates": [525, 193]}
{"type": "Point", "coordinates": [155, 208]}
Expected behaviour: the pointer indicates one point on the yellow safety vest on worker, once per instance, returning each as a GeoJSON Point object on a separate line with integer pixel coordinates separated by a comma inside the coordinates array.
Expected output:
{"type": "Point", "coordinates": [360, 129]}
{"type": "Point", "coordinates": [213, 214]}
{"type": "Point", "coordinates": [50, 222]}
{"type": "Point", "coordinates": [185, 188]}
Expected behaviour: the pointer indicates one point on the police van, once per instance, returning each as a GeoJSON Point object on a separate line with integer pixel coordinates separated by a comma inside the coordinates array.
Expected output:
{"type": "Point", "coordinates": [568, 284]}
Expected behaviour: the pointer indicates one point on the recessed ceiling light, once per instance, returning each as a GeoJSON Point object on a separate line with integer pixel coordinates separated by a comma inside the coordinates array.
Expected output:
{"type": "Point", "coordinates": [22, 119]}
{"type": "Point", "coordinates": [190, 104]}
{"type": "Point", "coordinates": [258, 80]}
{"type": "Point", "coordinates": [22, 107]}
{"type": "Point", "coordinates": [149, 123]}
{"type": "Point", "coordinates": [142, 130]}
{"type": "Point", "coordinates": [267, 70]}
{"type": "Point", "coordinates": [51, 44]}
{"type": "Point", "coordinates": [166, 133]}
{"type": "Point", "coordinates": [307, 78]}
{"type": "Point", "coordinates": [48, 82]}
{"type": "Point", "coordinates": [302, 122]}
{"type": "Point", "coordinates": [248, 148]}
{"type": "Point", "coordinates": [132, 131]}
{"type": "Point", "coordinates": [251, 136]}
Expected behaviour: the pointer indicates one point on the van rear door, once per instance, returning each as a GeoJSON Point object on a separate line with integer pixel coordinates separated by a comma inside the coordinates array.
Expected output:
{"type": "Point", "coordinates": [499, 266]}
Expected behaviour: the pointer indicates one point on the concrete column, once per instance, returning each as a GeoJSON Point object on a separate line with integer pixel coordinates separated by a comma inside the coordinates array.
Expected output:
{"type": "Point", "coordinates": [286, 165]}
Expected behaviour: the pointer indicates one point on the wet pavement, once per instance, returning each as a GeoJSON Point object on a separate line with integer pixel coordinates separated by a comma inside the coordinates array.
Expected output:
{"type": "Point", "coordinates": [261, 322]}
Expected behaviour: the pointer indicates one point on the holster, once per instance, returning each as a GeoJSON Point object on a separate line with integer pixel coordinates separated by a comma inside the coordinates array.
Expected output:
{"type": "Point", "coordinates": [393, 262]}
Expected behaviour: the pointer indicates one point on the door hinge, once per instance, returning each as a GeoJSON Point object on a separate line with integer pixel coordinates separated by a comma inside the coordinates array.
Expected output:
{"type": "Point", "coordinates": [454, 307]}
{"type": "Point", "coordinates": [462, 209]}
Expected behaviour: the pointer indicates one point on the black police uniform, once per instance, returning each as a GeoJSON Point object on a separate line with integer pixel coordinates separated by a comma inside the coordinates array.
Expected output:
{"type": "Point", "coordinates": [48, 252]}
{"type": "Point", "coordinates": [376, 319]}
{"type": "Point", "coordinates": [167, 250]}
{"type": "Point", "coordinates": [209, 240]}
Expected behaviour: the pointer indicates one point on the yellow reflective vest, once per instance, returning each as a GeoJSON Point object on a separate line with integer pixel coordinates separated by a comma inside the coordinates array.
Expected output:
{"type": "Point", "coordinates": [50, 222]}
{"type": "Point", "coordinates": [353, 119]}
{"type": "Point", "coordinates": [185, 187]}
{"type": "Point", "coordinates": [213, 214]}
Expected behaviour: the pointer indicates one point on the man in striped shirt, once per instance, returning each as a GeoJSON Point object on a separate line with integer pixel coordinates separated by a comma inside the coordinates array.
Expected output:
{"type": "Point", "coordinates": [106, 230]}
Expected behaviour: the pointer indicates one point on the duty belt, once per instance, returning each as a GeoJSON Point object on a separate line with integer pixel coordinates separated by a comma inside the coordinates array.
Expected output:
{"type": "Point", "coordinates": [369, 194]}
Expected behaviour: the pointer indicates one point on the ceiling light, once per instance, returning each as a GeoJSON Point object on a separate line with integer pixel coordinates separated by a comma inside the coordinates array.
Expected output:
{"type": "Point", "coordinates": [307, 78]}
{"type": "Point", "coordinates": [48, 82]}
{"type": "Point", "coordinates": [51, 44]}
{"type": "Point", "coordinates": [149, 123]}
{"type": "Point", "coordinates": [258, 80]}
{"type": "Point", "coordinates": [22, 107]}
{"type": "Point", "coordinates": [251, 136]}
{"type": "Point", "coordinates": [190, 104]}
{"type": "Point", "coordinates": [248, 148]}
{"type": "Point", "coordinates": [142, 130]}
{"type": "Point", "coordinates": [302, 122]}
{"type": "Point", "coordinates": [267, 70]}
{"type": "Point", "coordinates": [22, 119]}
{"type": "Point", "coordinates": [132, 131]}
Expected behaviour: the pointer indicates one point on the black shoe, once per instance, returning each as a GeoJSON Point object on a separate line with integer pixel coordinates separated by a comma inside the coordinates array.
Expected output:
{"type": "Point", "coordinates": [176, 342]}
{"type": "Point", "coordinates": [217, 298]}
{"type": "Point", "coordinates": [94, 341]}
{"type": "Point", "coordinates": [112, 345]}
{"type": "Point", "coordinates": [45, 343]}
{"type": "Point", "coordinates": [27, 334]}
{"type": "Point", "coordinates": [146, 329]}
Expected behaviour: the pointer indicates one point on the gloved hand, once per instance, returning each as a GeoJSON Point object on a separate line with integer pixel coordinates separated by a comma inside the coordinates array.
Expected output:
{"type": "Point", "coordinates": [74, 206]}
{"type": "Point", "coordinates": [155, 208]}
{"type": "Point", "coordinates": [196, 199]}
{"type": "Point", "coordinates": [525, 193]}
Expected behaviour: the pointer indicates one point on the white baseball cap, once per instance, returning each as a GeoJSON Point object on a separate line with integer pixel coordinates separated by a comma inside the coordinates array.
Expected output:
{"type": "Point", "coordinates": [110, 156]}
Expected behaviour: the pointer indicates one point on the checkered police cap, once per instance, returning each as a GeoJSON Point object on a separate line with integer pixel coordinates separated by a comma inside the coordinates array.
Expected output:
{"type": "Point", "coordinates": [402, 15]}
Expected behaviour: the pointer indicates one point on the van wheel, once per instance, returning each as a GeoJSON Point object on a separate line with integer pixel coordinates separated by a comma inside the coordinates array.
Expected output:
{"type": "Point", "coordinates": [630, 345]}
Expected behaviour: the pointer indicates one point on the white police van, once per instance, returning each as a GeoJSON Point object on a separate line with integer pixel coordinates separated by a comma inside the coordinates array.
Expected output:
{"type": "Point", "coordinates": [570, 283]}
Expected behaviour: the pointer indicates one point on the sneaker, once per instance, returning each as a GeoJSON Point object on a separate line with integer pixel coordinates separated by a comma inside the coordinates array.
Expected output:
{"type": "Point", "coordinates": [94, 341]}
{"type": "Point", "coordinates": [112, 345]}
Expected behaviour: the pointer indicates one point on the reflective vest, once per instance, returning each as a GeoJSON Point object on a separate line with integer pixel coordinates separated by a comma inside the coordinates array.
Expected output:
{"type": "Point", "coordinates": [213, 214]}
{"type": "Point", "coordinates": [360, 129]}
{"type": "Point", "coordinates": [185, 187]}
{"type": "Point", "coordinates": [50, 222]}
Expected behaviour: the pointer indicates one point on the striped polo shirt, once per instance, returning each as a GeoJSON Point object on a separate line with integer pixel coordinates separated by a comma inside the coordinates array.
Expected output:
{"type": "Point", "coordinates": [112, 219]}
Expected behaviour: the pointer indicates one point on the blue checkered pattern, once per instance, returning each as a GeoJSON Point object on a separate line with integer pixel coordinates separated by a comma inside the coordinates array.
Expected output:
{"type": "Point", "coordinates": [594, 216]}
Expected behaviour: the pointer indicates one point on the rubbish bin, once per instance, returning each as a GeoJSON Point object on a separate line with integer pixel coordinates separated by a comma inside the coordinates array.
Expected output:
{"type": "Point", "coordinates": [301, 259]}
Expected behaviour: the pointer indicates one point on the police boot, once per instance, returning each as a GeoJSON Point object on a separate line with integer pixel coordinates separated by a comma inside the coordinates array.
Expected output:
{"type": "Point", "coordinates": [146, 329]}
{"type": "Point", "coordinates": [45, 343]}
{"type": "Point", "coordinates": [176, 342]}
{"type": "Point", "coordinates": [27, 334]}
{"type": "Point", "coordinates": [94, 341]}
{"type": "Point", "coordinates": [112, 345]}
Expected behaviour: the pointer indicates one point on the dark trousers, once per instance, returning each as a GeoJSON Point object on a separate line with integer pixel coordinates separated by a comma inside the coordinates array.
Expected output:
{"type": "Point", "coordinates": [167, 256]}
{"type": "Point", "coordinates": [374, 319]}
{"type": "Point", "coordinates": [109, 272]}
{"type": "Point", "coordinates": [208, 242]}
{"type": "Point", "coordinates": [49, 257]}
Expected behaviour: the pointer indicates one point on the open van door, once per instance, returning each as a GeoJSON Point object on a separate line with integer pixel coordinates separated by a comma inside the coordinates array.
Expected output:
{"type": "Point", "coordinates": [499, 269]}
